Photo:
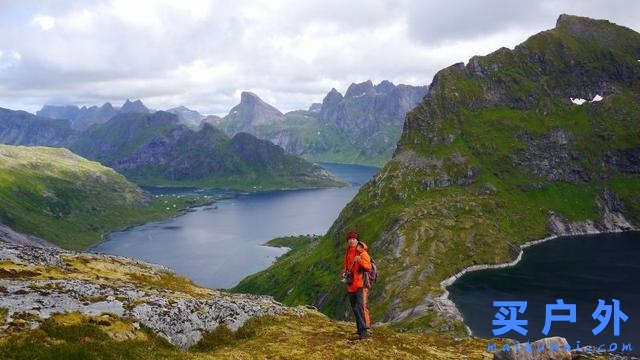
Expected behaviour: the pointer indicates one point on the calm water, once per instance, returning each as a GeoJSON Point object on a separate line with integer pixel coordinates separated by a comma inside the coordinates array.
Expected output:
{"type": "Point", "coordinates": [218, 245]}
{"type": "Point", "coordinates": [580, 270]}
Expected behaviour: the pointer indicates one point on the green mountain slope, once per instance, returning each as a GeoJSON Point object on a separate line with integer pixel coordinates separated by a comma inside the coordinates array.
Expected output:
{"type": "Point", "coordinates": [58, 196]}
{"type": "Point", "coordinates": [496, 155]}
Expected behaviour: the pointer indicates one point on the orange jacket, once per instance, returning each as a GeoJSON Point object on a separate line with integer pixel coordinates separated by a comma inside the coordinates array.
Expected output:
{"type": "Point", "coordinates": [348, 264]}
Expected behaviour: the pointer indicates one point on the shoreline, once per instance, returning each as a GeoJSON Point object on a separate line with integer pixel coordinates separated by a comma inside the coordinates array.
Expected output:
{"type": "Point", "coordinates": [130, 226]}
{"type": "Point", "coordinates": [444, 297]}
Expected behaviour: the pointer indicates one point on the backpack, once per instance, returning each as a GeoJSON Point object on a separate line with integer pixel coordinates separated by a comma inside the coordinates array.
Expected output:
{"type": "Point", "coordinates": [371, 276]}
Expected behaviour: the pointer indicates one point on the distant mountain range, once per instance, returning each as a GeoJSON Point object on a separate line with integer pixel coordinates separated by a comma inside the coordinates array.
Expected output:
{"type": "Point", "coordinates": [157, 149]}
{"type": "Point", "coordinates": [363, 126]}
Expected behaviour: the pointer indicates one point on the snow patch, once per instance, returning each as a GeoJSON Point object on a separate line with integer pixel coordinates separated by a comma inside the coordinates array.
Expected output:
{"type": "Point", "coordinates": [580, 101]}
{"type": "Point", "coordinates": [577, 101]}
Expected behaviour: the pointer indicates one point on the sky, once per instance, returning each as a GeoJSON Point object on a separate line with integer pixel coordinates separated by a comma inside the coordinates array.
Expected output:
{"type": "Point", "coordinates": [203, 54]}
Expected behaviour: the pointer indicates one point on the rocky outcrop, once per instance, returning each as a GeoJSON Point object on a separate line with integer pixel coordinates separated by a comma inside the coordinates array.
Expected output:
{"type": "Point", "coordinates": [552, 156]}
{"type": "Point", "coordinates": [612, 218]}
{"type": "Point", "coordinates": [551, 348]}
{"type": "Point", "coordinates": [179, 316]}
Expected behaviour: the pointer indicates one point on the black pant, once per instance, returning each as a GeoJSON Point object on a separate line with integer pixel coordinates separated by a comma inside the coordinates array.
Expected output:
{"type": "Point", "coordinates": [357, 305]}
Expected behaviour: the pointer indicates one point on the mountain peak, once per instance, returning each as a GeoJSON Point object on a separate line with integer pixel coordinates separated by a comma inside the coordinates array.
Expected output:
{"type": "Point", "coordinates": [599, 32]}
{"type": "Point", "coordinates": [134, 106]}
{"type": "Point", "coordinates": [333, 96]}
{"type": "Point", "coordinates": [357, 90]}
{"type": "Point", "coordinates": [385, 87]}
{"type": "Point", "coordinates": [250, 112]}
{"type": "Point", "coordinates": [246, 96]}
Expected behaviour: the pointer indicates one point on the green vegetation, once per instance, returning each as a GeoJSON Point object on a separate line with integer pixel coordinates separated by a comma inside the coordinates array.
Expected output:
{"type": "Point", "coordinates": [493, 149]}
{"type": "Point", "coordinates": [292, 242]}
{"type": "Point", "coordinates": [58, 196]}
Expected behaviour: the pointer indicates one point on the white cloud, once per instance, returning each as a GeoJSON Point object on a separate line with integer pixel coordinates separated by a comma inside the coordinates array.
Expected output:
{"type": "Point", "coordinates": [45, 23]}
{"type": "Point", "coordinates": [202, 54]}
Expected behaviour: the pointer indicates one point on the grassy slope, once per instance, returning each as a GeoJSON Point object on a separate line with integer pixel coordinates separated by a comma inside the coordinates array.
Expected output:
{"type": "Point", "coordinates": [60, 197]}
{"type": "Point", "coordinates": [312, 336]}
{"type": "Point", "coordinates": [438, 231]}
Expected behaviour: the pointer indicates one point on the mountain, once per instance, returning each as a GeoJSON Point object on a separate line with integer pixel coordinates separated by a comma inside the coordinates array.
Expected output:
{"type": "Point", "coordinates": [155, 149]}
{"type": "Point", "coordinates": [51, 194]}
{"type": "Point", "coordinates": [22, 128]}
{"type": "Point", "coordinates": [497, 154]}
{"type": "Point", "coordinates": [80, 118]}
{"type": "Point", "coordinates": [361, 127]}
{"type": "Point", "coordinates": [250, 114]}
{"type": "Point", "coordinates": [187, 116]}
{"type": "Point", "coordinates": [133, 107]}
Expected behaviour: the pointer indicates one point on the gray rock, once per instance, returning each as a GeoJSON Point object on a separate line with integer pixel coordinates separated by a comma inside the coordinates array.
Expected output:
{"type": "Point", "coordinates": [178, 317]}
{"type": "Point", "coordinates": [552, 348]}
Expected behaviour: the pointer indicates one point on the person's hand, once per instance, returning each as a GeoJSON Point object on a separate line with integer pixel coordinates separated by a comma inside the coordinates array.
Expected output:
{"type": "Point", "coordinates": [356, 259]}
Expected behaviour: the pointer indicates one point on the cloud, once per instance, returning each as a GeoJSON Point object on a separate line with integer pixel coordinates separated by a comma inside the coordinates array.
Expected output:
{"type": "Point", "coordinates": [45, 23]}
{"type": "Point", "coordinates": [202, 54]}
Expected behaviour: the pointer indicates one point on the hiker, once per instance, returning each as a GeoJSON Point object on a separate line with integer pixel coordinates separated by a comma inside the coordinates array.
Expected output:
{"type": "Point", "coordinates": [365, 290]}
{"type": "Point", "coordinates": [356, 262]}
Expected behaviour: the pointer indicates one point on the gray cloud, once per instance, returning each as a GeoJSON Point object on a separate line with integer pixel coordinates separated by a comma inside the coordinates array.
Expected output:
{"type": "Point", "coordinates": [202, 54]}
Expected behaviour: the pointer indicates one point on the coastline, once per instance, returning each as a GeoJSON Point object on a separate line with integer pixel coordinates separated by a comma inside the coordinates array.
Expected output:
{"type": "Point", "coordinates": [181, 212]}
{"type": "Point", "coordinates": [447, 302]}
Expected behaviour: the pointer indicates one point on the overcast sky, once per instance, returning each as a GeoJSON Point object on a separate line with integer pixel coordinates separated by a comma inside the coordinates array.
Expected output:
{"type": "Point", "coordinates": [202, 54]}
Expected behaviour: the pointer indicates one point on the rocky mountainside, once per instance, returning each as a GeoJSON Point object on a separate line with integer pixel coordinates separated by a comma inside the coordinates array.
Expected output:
{"type": "Point", "coordinates": [80, 118]}
{"type": "Point", "coordinates": [52, 195]}
{"type": "Point", "coordinates": [500, 152]}
{"type": "Point", "coordinates": [64, 305]}
{"type": "Point", "coordinates": [155, 149]}
{"type": "Point", "coordinates": [361, 127]}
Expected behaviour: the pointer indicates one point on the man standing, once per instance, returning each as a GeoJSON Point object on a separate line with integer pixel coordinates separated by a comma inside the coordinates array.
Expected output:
{"type": "Point", "coordinates": [356, 262]}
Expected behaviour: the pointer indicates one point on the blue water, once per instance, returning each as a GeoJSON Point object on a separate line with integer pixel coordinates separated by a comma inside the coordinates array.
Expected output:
{"type": "Point", "coordinates": [578, 269]}
{"type": "Point", "coordinates": [219, 245]}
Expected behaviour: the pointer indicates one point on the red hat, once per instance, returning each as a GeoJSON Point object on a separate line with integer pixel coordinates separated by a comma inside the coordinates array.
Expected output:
{"type": "Point", "coordinates": [353, 234]}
